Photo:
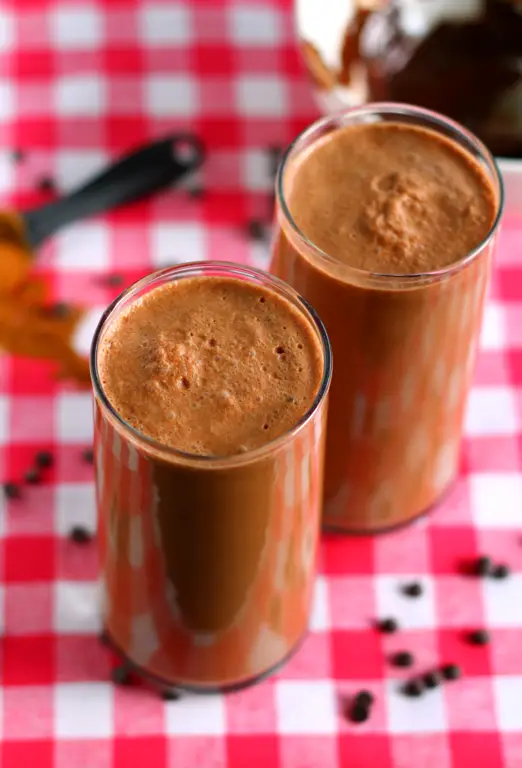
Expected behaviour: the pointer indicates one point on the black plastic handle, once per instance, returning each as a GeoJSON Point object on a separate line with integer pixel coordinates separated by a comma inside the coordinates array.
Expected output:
{"type": "Point", "coordinates": [136, 175]}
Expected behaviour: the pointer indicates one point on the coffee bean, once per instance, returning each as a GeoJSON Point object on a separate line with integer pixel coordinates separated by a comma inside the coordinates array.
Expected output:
{"type": "Point", "coordinates": [18, 155]}
{"type": "Point", "coordinates": [365, 698]}
{"type": "Point", "coordinates": [88, 455]}
{"type": "Point", "coordinates": [432, 679]}
{"type": "Point", "coordinates": [483, 566]}
{"type": "Point", "coordinates": [451, 671]}
{"type": "Point", "coordinates": [359, 713]}
{"type": "Point", "coordinates": [46, 184]}
{"type": "Point", "coordinates": [196, 192]}
{"type": "Point", "coordinates": [170, 694]}
{"type": "Point", "coordinates": [60, 310]}
{"type": "Point", "coordinates": [256, 229]}
{"type": "Point", "coordinates": [120, 675]}
{"type": "Point", "coordinates": [80, 535]}
{"type": "Point", "coordinates": [412, 590]}
{"type": "Point", "coordinates": [43, 459]}
{"type": "Point", "coordinates": [388, 626]}
{"type": "Point", "coordinates": [402, 659]}
{"type": "Point", "coordinates": [104, 638]}
{"type": "Point", "coordinates": [12, 491]}
{"type": "Point", "coordinates": [479, 637]}
{"type": "Point", "coordinates": [32, 476]}
{"type": "Point", "coordinates": [413, 688]}
{"type": "Point", "coordinates": [500, 571]}
{"type": "Point", "coordinates": [113, 280]}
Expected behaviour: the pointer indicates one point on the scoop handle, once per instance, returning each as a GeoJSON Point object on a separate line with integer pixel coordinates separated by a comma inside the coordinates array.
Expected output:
{"type": "Point", "coordinates": [136, 175]}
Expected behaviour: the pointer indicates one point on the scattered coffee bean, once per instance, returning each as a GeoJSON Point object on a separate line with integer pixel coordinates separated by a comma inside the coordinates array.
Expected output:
{"type": "Point", "coordinates": [412, 590]}
{"type": "Point", "coordinates": [43, 459]}
{"type": "Point", "coordinates": [274, 154]}
{"type": "Point", "coordinates": [196, 192]}
{"type": "Point", "coordinates": [365, 698]}
{"type": "Point", "coordinates": [32, 476]}
{"type": "Point", "coordinates": [483, 566]}
{"type": "Point", "coordinates": [60, 310]}
{"type": "Point", "coordinates": [451, 671]}
{"type": "Point", "coordinates": [256, 229]}
{"type": "Point", "coordinates": [388, 626]}
{"type": "Point", "coordinates": [12, 491]}
{"type": "Point", "coordinates": [359, 713]}
{"type": "Point", "coordinates": [170, 694]}
{"type": "Point", "coordinates": [402, 659]}
{"type": "Point", "coordinates": [500, 571]}
{"type": "Point", "coordinates": [88, 455]}
{"type": "Point", "coordinates": [479, 637]}
{"type": "Point", "coordinates": [113, 280]}
{"type": "Point", "coordinates": [120, 675]}
{"type": "Point", "coordinates": [80, 535]}
{"type": "Point", "coordinates": [18, 155]}
{"type": "Point", "coordinates": [432, 679]}
{"type": "Point", "coordinates": [46, 184]}
{"type": "Point", "coordinates": [413, 688]}
{"type": "Point", "coordinates": [104, 638]}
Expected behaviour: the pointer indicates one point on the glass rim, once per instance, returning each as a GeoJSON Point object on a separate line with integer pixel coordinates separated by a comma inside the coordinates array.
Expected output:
{"type": "Point", "coordinates": [194, 269]}
{"type": "Point", "coordinates": [437, 121]}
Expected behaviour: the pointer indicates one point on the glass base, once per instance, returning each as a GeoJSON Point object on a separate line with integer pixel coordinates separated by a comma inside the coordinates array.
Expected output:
{"type": "Point", "coordinates": [205, 689]}
{"type": "Point", "coordinates": [340, 530]}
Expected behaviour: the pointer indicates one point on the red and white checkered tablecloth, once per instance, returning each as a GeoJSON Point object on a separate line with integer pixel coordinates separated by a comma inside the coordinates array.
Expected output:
{"type": "Point", "coordinates": [80, 82]}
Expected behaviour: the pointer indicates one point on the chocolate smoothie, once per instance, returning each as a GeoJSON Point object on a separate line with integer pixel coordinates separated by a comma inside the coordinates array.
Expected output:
{"type": "Point", "coordinates": [209, 425]}
{"type": "Point", "coordinates": [386, 228]}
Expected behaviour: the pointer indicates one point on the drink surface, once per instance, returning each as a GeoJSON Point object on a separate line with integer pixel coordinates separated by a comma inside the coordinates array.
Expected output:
{"type": "Point", "coordinates": [213, 366]}
{"type": "Point", "coordinates": [391, 198]}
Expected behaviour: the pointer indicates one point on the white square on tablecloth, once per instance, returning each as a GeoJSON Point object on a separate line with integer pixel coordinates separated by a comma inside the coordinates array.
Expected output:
{"type": "Point", "coordinates": [7, 100]}
{"type": "Point", "coordinates": [496, 499]}
{"type": "Point", "coordinates": [256, 170]}
{"type": "Point", "coordinates": [320, 615]}
{"type": "Point", "coordinates": [75, 505]}
{"type": "Point", "coordinates": [508, 702]}
{"type": "Point", "coordinates": [176, 243]}
{"type": "Point", "coordinates": [4, 419]}
{"type": "Point", "coordinates": [199, 716]}
{"type": "Point", "coordinates": [410, 612]}
{"type": "Point", "coordinates": [171, 95]}
{"type": "Point", "coordinates": [7, 171]}
{"type": "Point", "coordinates": [80, 95]}
{"type": "Point", "coordinates": [83, 246]}
{"type": "Point", "coordinates": [76, 26]}
{"type": "Point", "coordinates": [74, 417]}
{"type": "Point", "coordinates": [83, 710]}
{"type": "Point", "coordinates": [493, 332]}
{"type": "Point", "coordinates": [75, 166]}
{"type": "Point", "coordinates": [165, 24]}
{"type": "Point", "coordinates": [306, 706]}
{"type": "Point", "coordinates": [7, 31]}
{"type": "Point", "coordinates": [503, 601]}
{"type": "Point", "coordinates": [427, 714]}
{"type": "Point", "coordinates": [77, 607]}
{"type": "Point", "coordinates": [491, 411]}
{"type": "Point", "coordinates": [260, 96]}
{"type": "Point", "coordinates": [251, 26]}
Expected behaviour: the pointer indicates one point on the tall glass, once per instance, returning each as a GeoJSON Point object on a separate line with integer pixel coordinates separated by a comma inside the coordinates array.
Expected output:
{"type": "Point", "coordinates": [404, 348]}
{"type": "Point", "coordinates": [207, 564]}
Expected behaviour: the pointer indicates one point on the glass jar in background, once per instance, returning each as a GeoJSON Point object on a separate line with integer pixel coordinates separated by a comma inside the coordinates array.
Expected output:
{"type": "Point", "coordinates": [462, 58]}
{"type": "Point", "coordinates": [207, 564]}
{"type": "Point", "coordinates": [404, 349]}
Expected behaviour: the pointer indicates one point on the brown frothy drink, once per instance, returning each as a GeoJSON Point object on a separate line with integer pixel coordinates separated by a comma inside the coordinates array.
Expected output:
{"type": "Point", "coordinates": [210, 408]}
{"type": "Point", "coordinates": [386, 222]}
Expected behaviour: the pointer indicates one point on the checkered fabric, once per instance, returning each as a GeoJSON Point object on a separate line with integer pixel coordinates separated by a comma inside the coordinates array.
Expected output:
{"type": "Point", "coordinates": [81, 81]}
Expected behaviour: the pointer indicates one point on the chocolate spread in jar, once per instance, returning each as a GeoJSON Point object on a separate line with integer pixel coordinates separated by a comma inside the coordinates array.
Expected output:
{"type": "Point", "coordinates": [373, 208]}
{"type": "Point", "coordinates": [208, 549]}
